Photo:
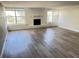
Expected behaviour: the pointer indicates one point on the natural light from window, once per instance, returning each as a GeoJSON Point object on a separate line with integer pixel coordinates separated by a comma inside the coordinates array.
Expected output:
{"type": "Point", "coordinates": [15, 16]}
{"type": "Point", "coordinates": [49, 16]}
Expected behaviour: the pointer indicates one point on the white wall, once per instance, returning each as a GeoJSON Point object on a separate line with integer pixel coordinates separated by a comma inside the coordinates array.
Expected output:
{"type": "Point", "coordinates": [3, 28]}
{"type": "Point", "coordinates": [69, 17]}
{"type": "Point", "coordinates": [31, 12]}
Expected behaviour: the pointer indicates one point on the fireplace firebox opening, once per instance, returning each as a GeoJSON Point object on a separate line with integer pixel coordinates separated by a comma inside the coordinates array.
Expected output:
{"type": "Point", "coordinates": [37, 22]}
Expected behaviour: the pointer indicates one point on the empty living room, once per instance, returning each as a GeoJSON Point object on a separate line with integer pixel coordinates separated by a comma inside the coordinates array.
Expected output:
{"type": "Point", "coordinates": [39, 29]}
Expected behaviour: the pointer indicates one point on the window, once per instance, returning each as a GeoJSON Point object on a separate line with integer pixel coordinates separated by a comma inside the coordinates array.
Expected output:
{"type": "Point", "coordinates": [49, 16]}
{"type": "Point", "coordinates": [52, 16]}
{"type": "Point", "coordinates": [15, 16]}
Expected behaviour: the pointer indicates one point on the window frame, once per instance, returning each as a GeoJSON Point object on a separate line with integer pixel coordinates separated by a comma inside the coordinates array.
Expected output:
{"type": "Point", "coordinates": [15, 10]}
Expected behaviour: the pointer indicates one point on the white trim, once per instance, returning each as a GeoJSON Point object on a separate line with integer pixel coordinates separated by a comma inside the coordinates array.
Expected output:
{"type": "Point", "coordinates": [69, 28]}
{"type": "Point", "coordinates": [20, 27]}
{"type": "Point", "coordinates": [3, 46]}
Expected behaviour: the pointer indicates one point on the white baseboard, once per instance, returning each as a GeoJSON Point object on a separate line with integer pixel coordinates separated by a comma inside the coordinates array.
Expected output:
{"type": "Point", "coordinates": [69, 28]}
{"type": "Point", "coordinates": [27, 27]}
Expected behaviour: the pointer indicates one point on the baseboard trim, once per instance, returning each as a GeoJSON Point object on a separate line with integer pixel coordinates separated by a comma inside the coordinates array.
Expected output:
{"type": "Point", "coordinates": [31, 27]}
{"type": "Point", "coordinates": [69, 29]}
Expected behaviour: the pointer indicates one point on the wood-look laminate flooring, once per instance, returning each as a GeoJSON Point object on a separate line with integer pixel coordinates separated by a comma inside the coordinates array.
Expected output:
{"type": "Point", "coordinates": [42, 43]}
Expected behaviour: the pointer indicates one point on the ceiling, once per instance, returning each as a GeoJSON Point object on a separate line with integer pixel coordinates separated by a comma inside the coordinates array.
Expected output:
{"type": "Point", "coordinates": [39, 4]}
